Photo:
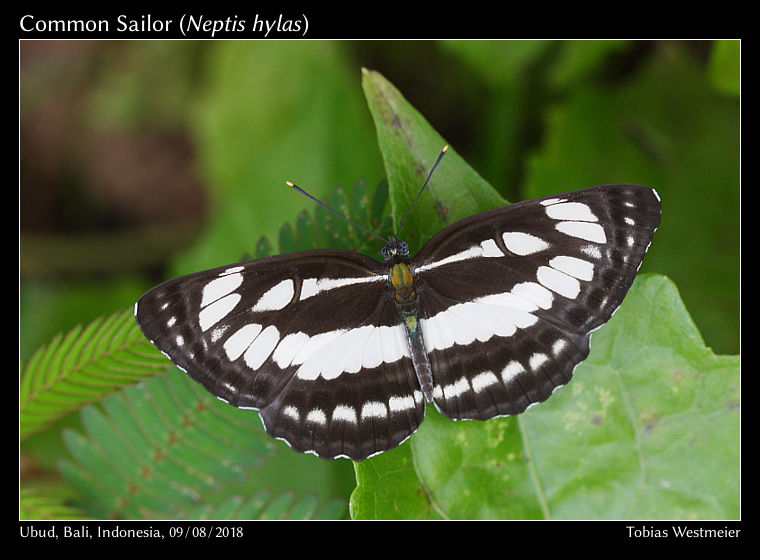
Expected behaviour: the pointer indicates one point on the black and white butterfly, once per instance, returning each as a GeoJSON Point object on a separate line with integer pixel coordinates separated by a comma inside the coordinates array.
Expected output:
{"type": "Point", "coordinates": [339, 352]}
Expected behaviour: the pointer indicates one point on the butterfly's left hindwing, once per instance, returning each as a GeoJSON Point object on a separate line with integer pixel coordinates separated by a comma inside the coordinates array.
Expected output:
{"type": "Point", "coordinates": [310, 340]}
{"type": "Point", "coordinates": [509, 297]}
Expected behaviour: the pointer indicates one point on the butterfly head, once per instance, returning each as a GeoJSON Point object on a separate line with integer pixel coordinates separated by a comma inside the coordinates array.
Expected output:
{"type": "Point", "coordinates": [395, 250]}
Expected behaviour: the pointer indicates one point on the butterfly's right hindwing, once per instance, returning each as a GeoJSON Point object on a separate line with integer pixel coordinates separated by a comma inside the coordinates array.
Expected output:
{"type": "Point", "coordinates": [310, 340]}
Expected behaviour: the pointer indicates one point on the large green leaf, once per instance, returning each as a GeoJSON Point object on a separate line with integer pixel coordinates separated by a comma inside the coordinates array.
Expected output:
{"type": "Point", "coordinates": [409, 146]}
{"type": "Point", "coordinates": [614, 444]}
{"type": "Point", "coordinates": [647, 429]}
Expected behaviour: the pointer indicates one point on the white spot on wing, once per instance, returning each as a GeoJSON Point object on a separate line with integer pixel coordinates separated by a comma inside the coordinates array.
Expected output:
{"type": "Point", "coordinates": [583, 270]}
{"type": "Point", "coordinates": [291, 412]}
{"type": "Point", "coordinates": [571, 211]}
{"type": "Point", "coordinates": [483, 381]}
{"type": "Point", "coordinates": [313, 286]}
{"type": "Point", "coordinates": [534, 293]}
{"type": "Point", "coordinates": [592, 251]}
{"type": "Point", "coordinates": [549, 201]}
{"type": "Point", "coordinates": [373, 409]}
{"type": "Point", "coordinates": [559, 282]}
{"type": "Point", "coordinates": [262, 347]}
{"type": "Point", "coordinates": [583, 230]}
{"type": "Point", "coordinates": [220, 287]}
{"type": "Point", "coordinates": [212, 314]}
{"type": "Point", "coordinates": [511, 370]}
{"type": "Point", "coordinates": [464, 323]}
{"type": "Point", "coordinates": [349, 350]}
{"type": "Point", "coordinates": [401, 404]}
{"type": "Point", "coordinates": [233, 270]}
{"type": "Point", "coordinates": [344, 413]}
{"type": "Point", "coordinates": [487, 248]}
{"type": "Point", "coordinates": [522, 244]}
{"type": "Point", "coordinates": [508, 299]}
{"type": "Point", "coordinates": [240, 340]}
{"type": "Point", "coordinates": [277, 297]}
{"type": "Point", "coordinates": [537, 360]}
{"type": "Point", "coordinates": [372, 353]}
{"type": "Point", "coordinates": [288, 348]}
{"type": "Point", "coordinates": [316, 416]}
{"type": "Point", "coordinates": [216, 334]}
{"type": "Point", "coordinates": [457, 388]}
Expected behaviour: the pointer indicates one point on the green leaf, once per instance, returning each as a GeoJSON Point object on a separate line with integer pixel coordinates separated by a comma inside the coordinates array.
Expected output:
{"type": "Point", "coordinates": [611, 445]}
{"type": "Point", "coordinates": [82, 367]}
{"type": "Point", "coordinates": [579, 60]}
{"type": "Point", "coordinates": [647, 429]}
{"type": "Point", "coordinates": [499, 62]}
{"type": "Point", "coordinates": [270, 113]}
{"type": "Point", "coordinates": [410, 146]}
{"type": "Point", "coordinates": [725, 67]}
{"type": "Point", "coordinates": [388, 488]}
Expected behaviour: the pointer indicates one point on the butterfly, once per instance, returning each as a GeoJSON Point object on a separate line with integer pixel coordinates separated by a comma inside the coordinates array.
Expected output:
{"type": "Point", "coordinates": [339, 352]}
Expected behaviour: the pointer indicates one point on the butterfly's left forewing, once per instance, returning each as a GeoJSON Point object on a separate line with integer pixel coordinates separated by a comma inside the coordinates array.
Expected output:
{"type": "Point", "coordinates": [509, 297]}
{"type": "Point", "coordinates": [311, 340]}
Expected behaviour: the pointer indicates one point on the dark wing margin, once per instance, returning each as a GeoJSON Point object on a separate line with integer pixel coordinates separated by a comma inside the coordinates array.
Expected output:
{"type": "Point", "coordinates": [509, 297]}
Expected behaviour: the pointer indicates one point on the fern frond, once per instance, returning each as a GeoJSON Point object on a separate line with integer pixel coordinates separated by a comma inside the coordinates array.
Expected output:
{"type": "Point", "coordinates": [83, 366]}
{"type": "Point", "coordinates": [35, 505]}
{"type": "Point", "coordinates": [160, 448]}
{"type": "Point", "coordinates": [263, 505]}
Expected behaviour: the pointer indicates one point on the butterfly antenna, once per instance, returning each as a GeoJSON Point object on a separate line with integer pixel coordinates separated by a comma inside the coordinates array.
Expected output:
{"type": "Point", "coordinates": [443, 151]}
{"type": "Point", "coordinates": [325, 206]}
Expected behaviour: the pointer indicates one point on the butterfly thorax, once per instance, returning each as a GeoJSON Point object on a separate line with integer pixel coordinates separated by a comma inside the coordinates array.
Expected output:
{"type": "Point", "coordinates": [402, 281]}
{"type": "Point", "coordinates": [400, 277]}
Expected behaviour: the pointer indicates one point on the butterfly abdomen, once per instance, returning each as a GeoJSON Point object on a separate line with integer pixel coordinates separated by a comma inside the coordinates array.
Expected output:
{"type": "Point", "coordinates": [407, 305]}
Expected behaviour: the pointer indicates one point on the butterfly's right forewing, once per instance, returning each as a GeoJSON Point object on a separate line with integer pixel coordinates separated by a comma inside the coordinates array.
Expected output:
{"type": "Point", "coordinates": [509, 297]}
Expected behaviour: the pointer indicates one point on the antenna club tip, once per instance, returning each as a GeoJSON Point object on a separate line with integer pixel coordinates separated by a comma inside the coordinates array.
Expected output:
{"type": "Point", "coordinates": [445, 148]}
{"type": "Point", "coordinates": [289, 183]}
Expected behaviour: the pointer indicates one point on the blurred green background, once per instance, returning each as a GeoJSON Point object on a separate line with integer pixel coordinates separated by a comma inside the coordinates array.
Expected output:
{"type": "Point", "coordinates": [142, 160]}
